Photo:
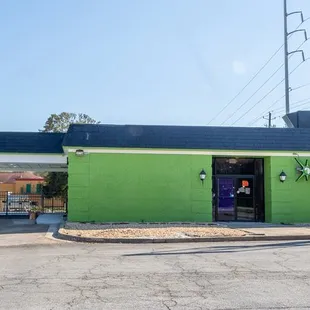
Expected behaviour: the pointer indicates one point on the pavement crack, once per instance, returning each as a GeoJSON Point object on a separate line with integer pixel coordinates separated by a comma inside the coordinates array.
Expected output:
{"type": "Point", "coordinates": [167, 304]}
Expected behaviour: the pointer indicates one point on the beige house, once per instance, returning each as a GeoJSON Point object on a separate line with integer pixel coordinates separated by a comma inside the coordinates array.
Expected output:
{"type": "Point", "coordinates": [20, 182]}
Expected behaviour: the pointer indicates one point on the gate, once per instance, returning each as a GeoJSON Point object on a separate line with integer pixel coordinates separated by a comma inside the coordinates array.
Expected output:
{"type": "Point", "coordinates": [21, 204]}
{"type": "Point", "coordinates": [3, 203]}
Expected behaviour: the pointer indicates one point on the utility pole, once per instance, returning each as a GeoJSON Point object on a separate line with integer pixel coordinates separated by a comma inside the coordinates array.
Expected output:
{"type": "Point", "coordinates": [287, 83]}
{"type": "Point", "coordinates": [287, 53]}
{"type": "Point", "coordinates": [269, 119]}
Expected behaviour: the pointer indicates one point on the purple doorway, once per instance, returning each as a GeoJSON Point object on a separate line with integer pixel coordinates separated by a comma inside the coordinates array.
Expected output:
{"type": "Point", "coordinates": [235, 199]}
{"type": "Point", "coordinates": [226, 199]}
{"type": "Point", "coordinates": [238, 189]}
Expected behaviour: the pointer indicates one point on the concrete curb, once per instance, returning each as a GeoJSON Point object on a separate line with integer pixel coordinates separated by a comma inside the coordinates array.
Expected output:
{"type": "Point", "coordinates": [60, 236]}
{"type": "Point", "coordinates": [52, 231]}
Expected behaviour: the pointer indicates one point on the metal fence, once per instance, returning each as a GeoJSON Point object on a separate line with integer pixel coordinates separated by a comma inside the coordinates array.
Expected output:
{"type": "Point", "coordinates": [11, 203]}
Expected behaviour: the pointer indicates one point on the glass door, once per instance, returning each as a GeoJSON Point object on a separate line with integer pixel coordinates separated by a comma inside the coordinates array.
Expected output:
{"type": "Point", "coordinates": [244, 199]}
{"type": "Point", "coordinates": [225, 199]}
{"type": "Point", "coordinates": [235, 199]}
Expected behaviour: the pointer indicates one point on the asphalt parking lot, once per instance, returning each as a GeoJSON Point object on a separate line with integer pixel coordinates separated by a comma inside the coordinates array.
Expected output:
{"type": "Point", "coordinates": [22, 232]}
{"type": "Point", "coordinates": [251, 275]}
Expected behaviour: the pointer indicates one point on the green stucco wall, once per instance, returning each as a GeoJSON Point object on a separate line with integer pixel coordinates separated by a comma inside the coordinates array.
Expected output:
{"type": "Point", "coordinates": [162, 188]}
{"type": "Point", "coordinates": [285, 202]}
{"type": "Point", "coordinates": [139, 187]}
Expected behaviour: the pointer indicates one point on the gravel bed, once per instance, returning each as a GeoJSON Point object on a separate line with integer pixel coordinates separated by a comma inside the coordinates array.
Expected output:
{"type": "Point", "coordinates": [149, 230]}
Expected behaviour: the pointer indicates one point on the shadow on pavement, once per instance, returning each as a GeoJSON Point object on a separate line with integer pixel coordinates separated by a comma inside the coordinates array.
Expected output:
{"type": "Point", "coordinates": [8, 226]}
{"type": "Point", "coordinates": [24, 229]}
{"type": "Point", "coordinates": [225, 249]}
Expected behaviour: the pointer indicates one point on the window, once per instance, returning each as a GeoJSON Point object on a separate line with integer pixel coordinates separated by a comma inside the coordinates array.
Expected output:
{"type": "Point", "coordinates": [38, 188]}
{"type": "Point", "coordinates": [237, 166]}
{"type": "Point", "coordinates": [28, 188]}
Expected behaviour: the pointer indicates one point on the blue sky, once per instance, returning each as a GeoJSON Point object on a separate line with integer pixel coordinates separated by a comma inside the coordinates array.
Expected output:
{"type": "Point", "coordinates": [145, 61]}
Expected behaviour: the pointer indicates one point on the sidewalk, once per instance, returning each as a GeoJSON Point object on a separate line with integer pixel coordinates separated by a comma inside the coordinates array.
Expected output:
{"type": "Point", "coordinates": [285, 231]}
{"type": "Point", "coordinates": [17, 232]}
{"type": "Point", "coordinates": [266, 229]}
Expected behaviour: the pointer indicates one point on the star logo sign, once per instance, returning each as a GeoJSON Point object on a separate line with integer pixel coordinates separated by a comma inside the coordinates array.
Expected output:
{"type": "Point", "coordinates": [304, 169]}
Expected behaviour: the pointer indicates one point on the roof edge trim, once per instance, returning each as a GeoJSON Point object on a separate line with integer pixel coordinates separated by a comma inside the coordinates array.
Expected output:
{"type": "Point", "coordinates": [230, 153]}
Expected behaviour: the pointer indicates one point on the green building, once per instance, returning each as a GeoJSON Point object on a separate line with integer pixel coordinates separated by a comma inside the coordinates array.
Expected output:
{"type": "Point", "coordinates": [177, 173]}
{"type": "Point", "coordinates": [167, 173]}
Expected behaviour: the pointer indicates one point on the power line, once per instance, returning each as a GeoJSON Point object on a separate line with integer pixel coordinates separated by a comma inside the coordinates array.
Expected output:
{"type": "Point", "coordinates": [299, 101]}
{"type": "Point", "coordinates": [258, 118]}
{"type": "Point", "coordinates": [305, 104]}
{"type": "Point", "coordinates": [294, 105]}
{"type": "Point", "coordinates": [275, 102]}
{"type": "Point", "coordinates": [241, 91]}
{"type": "Point", "coordinates": [282, 98]}
{"type": "Point", "coordinates": [293, 89]}
{"type": "Point", "coordinates": [244, 103]}
{"type": "Point", "coordinates": [278, 85]}
{"type": "Point", "coordinates": [301, 105]}
{"type": "Point", "coordinates": [302, 86]}
{"type": "Point", "coordinates": [253, 78]}
{"type": "Point", "coordinates": [279, 110]}
{"type": "Point", "coordinates": [267, 82]}
{"type": "Point", "coordinates": [244, 114]}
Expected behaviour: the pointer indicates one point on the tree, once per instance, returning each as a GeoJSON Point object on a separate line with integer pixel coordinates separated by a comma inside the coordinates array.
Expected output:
{"type": "Point", "coordinates": [57, 182]}
{"type": "Point", "coordinates": [61, 122]}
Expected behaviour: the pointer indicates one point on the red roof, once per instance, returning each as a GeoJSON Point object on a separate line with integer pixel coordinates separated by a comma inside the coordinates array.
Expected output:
{"type": "Point", "coordinates": [12, 177]}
